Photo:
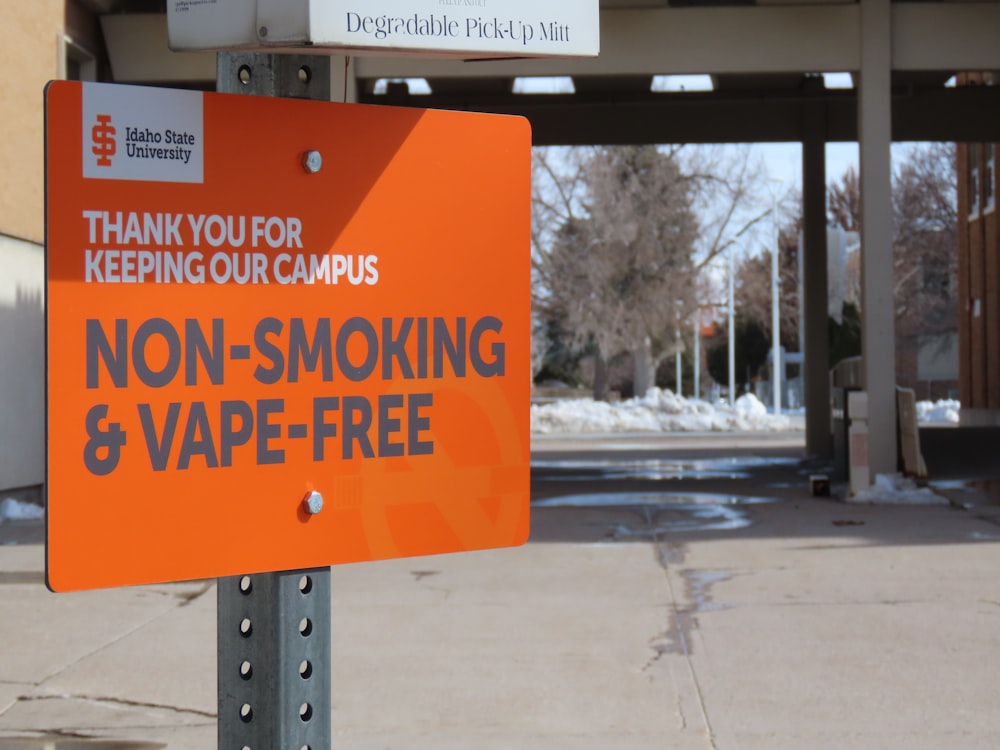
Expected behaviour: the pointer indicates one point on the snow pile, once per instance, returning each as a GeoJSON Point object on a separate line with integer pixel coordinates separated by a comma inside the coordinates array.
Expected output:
{"type": "Point", "coordinates": [14, 510]}
{"type": "Point", "coordinates": [657, 411]}
{"type": "Point", "coordinates": [899, 490]}
{"type": "Point", "coordinates": [938, 412]}
{"type": "Point", "coordinates": [664, 411]}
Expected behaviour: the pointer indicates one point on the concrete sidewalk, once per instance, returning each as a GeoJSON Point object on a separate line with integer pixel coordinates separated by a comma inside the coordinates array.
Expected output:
{"type": "Point", "coordinates": [821, 625]}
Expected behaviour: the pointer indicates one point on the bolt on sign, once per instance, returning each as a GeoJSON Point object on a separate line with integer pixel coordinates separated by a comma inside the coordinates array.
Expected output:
{"type": "Point", "coordinates": [281, 334]}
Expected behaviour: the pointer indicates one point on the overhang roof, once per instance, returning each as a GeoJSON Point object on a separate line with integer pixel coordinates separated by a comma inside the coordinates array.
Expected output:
{"type": "Point", "coordinates": [763, 60]}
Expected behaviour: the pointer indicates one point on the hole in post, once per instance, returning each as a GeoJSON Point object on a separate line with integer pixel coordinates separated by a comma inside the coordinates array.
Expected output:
{"type": "Point", "coordinates": [246, 713]}
{"type": "Point", "coordinates": [305, 627]}
{"type": "Point", "coordinates": [246, 670]}
{"type": "Point", "coordinates": [245, 73]}
{"type": "Point", "coordinates": [305, 712]}
{"type": "Point", "coordinates": [305, 74]}
{"type": "Point", "coordinates": [246, 584]}
{"type": "Point", "coordinates": [305, 584]}
{"type": "Point", "coordinates": [305, 669]}
{"type": "Point", "coordinates": [246, 627]}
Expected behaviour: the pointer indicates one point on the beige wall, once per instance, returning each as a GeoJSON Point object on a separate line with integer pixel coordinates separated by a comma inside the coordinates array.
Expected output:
{"type": "Point", "coordinates": [29, 57]}
{"type": "Point", "coordinates": [22, 364]}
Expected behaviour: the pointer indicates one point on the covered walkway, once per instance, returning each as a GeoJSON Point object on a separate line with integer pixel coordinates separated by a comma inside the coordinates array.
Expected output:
{"type": "Point", "coordinates": [764, 61]}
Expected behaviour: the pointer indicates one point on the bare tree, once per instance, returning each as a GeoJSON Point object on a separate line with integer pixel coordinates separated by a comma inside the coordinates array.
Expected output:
{"type": "Point", "coordinates": [616, 263]}
{"type": "Point", "coordinates": [925, 240]}
{"type": "Point", "coordinates": [728, 200]}
{"type": "Point", "coordinates": [844, 201]}
{"type": "Point", "coordinates": [754, 287]}
{"type": "Point", "coordinates": [924, 231]}
{"type": "Point", "coordinates": [643, 225]}
{"type": "Point", "coordinates": [620, 237]}
{"type": "Point", "coordinates": [924, 252]}
{"type": "Point", "coordinates": [558, 189]}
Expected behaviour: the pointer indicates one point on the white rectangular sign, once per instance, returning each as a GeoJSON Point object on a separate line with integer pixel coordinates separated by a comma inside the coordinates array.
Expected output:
{"type": "Point", "coordinates": [455, 28]}
{"type": "Point", "coordinates": [141, 133]}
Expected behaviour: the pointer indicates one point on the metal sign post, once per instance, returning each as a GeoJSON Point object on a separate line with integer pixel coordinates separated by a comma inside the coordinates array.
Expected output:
{"type": "Point", "coordinates": [274, 661]}
{"type": "Point", "coordinates": [274, 628]}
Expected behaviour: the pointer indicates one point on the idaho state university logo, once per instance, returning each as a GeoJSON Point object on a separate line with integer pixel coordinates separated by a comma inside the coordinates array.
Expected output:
{"type": "Point", "coordinates": [103, 137]}
{"type": "Point", "coordinates": [111, 112]}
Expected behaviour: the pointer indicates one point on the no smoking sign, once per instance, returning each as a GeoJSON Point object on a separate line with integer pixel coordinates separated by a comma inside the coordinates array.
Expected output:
{"type": "Point", "coordinates": [230, 333]}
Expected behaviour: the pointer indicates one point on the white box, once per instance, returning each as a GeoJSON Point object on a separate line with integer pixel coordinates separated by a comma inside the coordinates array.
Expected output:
{"type": "Point", "coordinates": [468, 29]}
{"type": "Point", "coordinates": [857, 405]}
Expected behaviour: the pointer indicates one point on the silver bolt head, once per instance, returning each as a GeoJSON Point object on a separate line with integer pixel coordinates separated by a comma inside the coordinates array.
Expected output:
{"type": "Point", "coordinates": [314, 503]}
{"type": "Point", "coordinates": [312, 161]}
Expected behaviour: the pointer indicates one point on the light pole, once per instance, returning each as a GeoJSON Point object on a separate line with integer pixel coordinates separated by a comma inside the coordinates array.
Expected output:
{"type": "Point", "coordinates": [732, 333]}
{"type": "Point", "coordinates": [677, 359]}
{"type": "Point", "coordinates": [697, 353]}
{"type": "Point", "coordinates": [776, 364]}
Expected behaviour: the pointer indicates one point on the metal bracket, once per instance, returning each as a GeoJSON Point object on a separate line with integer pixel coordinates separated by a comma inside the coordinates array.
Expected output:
{"type": "Point", "coordinates": [295, 76]}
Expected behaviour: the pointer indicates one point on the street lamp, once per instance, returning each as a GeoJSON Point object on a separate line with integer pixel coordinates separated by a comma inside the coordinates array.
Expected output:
{"type": "Point", "coordinates": [697, 352]}
{"type": "Point", "coordinates": [732, 333]}
{"type": "Point", "coordinates": [776, 364]}
{"type": "Point", "coordinates": [677, 333]}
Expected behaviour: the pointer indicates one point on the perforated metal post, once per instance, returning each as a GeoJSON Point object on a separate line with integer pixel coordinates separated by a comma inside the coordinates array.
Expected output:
{"type": "Point", "coordinates": [274, 628]}
{"type": "Point", "coordinates": [274, 661]}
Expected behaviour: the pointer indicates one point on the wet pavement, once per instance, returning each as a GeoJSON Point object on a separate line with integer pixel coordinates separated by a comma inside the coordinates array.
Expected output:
{"type": "Point", "coordinates": [678, 487]}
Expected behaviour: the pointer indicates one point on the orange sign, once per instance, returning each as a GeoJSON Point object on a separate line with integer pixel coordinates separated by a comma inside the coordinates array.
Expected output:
{"type": "Point", "coordinates": [257, 307]}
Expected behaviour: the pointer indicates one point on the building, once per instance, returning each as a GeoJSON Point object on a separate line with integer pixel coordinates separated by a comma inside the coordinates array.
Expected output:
{"type": "Point", "coordinates": [43, 40]}
{"type": "Point", "coordinates": [979, 274]}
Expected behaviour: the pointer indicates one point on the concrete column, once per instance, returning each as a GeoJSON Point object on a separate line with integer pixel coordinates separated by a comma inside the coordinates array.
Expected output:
{"type": "Point", "coordinates": [815, 344]}
{"type": "Point", "coordinates": [878, 332]}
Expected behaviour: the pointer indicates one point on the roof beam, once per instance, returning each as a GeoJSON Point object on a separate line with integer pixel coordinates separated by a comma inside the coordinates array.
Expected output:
{"type": "Point", "coordinates": [678, 41]}
{"type": "Point", "coordinates": [714, 40]}
{"type": "Point", "coordinates": [958, 114]}
{"type": "Point", "coordinates": [754, 39]}
{"type": "Point", "coordinates": [946, 36]}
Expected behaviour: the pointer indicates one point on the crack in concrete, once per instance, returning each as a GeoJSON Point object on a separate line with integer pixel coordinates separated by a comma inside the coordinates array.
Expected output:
{"type": "Point", "coordinates": [95, 738]}
{"type": "Point", "coordinates": [37, 734]}
{"type": "Point", "coordinates": [666, 555]}
{"type": "Point", "coordinates": [113, 701]}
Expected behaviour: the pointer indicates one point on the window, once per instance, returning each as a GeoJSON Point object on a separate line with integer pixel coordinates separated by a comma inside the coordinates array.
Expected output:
{"type": "Point", "coordinates": [973, 180]}
{"type": "Point", "coordinates": [78, 63]}
{"type": "Point", "coordinates": [989, 178]}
